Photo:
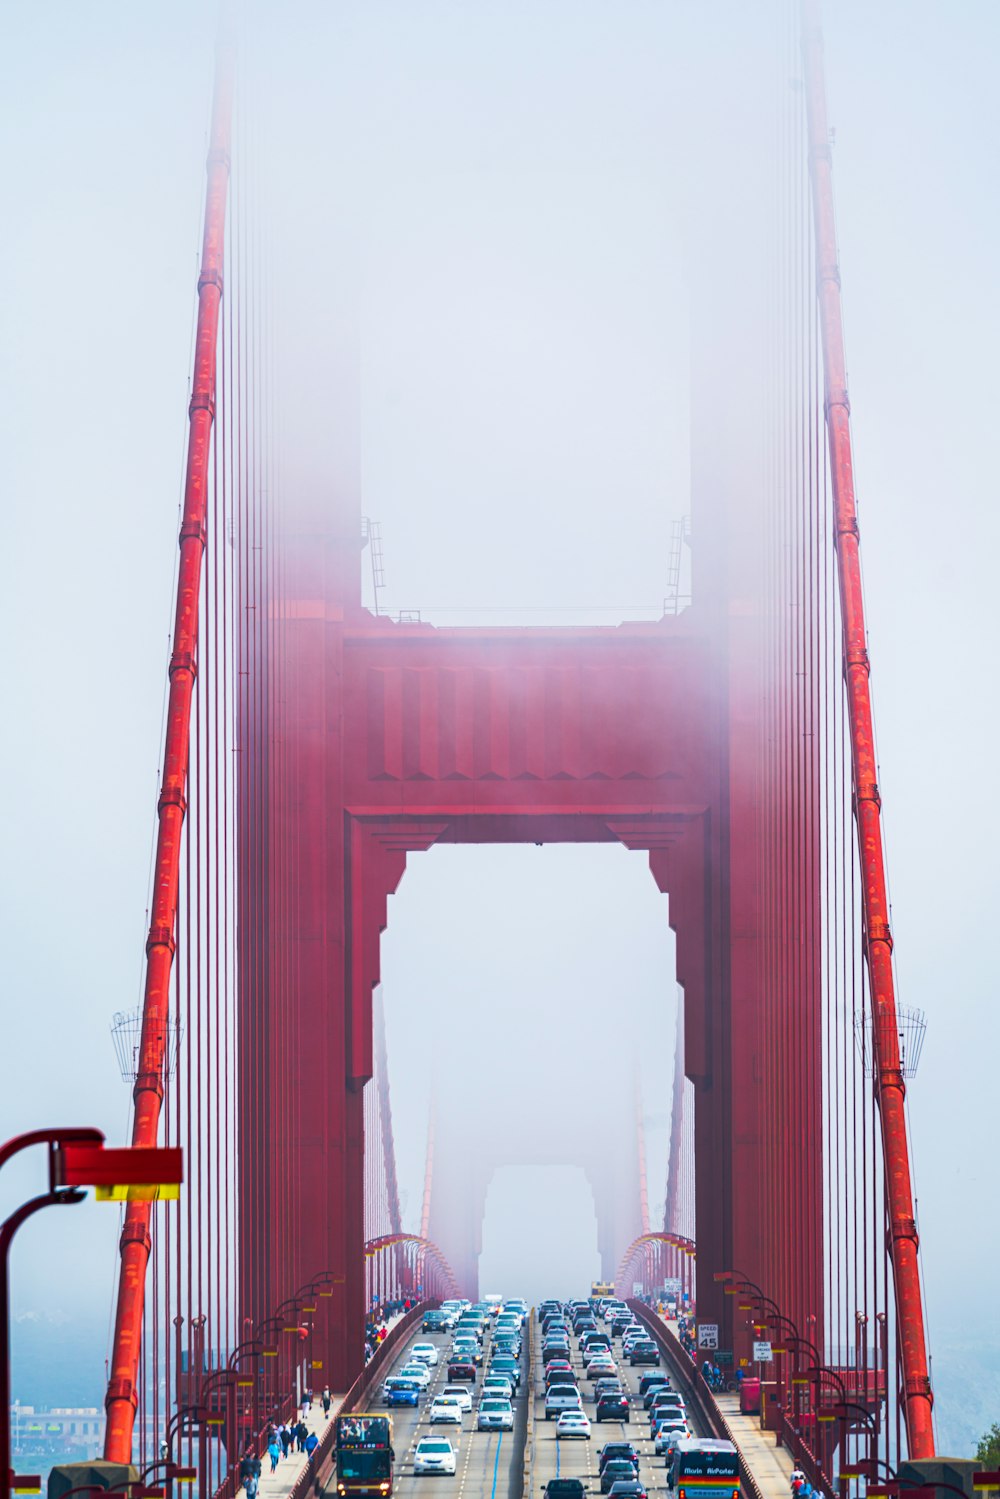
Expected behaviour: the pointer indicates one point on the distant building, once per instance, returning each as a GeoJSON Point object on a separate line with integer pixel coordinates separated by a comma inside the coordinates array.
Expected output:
{"type": "Point", "coordinates": [66, 1430]}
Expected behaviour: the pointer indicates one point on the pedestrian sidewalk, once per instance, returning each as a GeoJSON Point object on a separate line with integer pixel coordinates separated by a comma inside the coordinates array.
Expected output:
{"type": "Point", "coordinates": [770, 1464]}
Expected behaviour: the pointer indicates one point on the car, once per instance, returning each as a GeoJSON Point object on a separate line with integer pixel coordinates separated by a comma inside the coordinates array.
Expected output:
{"type": "Point", "coordinates": [564, 1488]}
{"type": "Point", "coordinates": [446, 1410]}
{"type": "Point", "coordinates": [665, 1438]}
{"type": "Point", "coordinates": [461, 1394]}
{"type": "Point", "coordinates": [628, 1488]}
{"type": "Point", "coordinates": [612, 1407]}
{"type": "Point", "coordinates": [435, 1321]}
{"type": "Point", "coordinates": [401, 1392]}
{"type": "Point", "coordinates": [461, 1367]}
{"type": "Point", "coordinates": [587, 1354]}
{"type": "Point", "coordinates": [434, 1455]}
{"type": "Point", "coordinates": [495, 1414]}
{"type": "Point", "coordinates": [665, 1418]}
{"type": "Point", "coordinates": [609, 1386]}
{"type": "Point", "coordinates": [425, 1352]}
{"type": "Point", "coordinates": [644, 1353]}
{"type": "Point", "coordinates": [650, 1382]}
{"type": "Point", "coordinates": [561, 1397]}
{"type": "Point", "coordinates": [559, 1372]}
{"type": "Point", "coordinates": [505, 1363]}
{"type": "Point", "coordinates": [467, 1348]}
{"type": "Point", "coordinates": [595, 1340]}
{"type": "Point", "coordinates": [617, 1449]}
{"type": "Point", "coordinates": [601, 1371]}
{"type": "Point", "coordinates": [664, 1410]}
{"type": "Point", "coordinates": [507, 1345]}
{"type": "Point", "coordinates": [419, 1372]}
{"type": "Point", "coordinates": [614, 1469]}
{"type": "Point", "coordinates": [498, 1384]}
{"type": "Point", "coordinates": [573, 1424]}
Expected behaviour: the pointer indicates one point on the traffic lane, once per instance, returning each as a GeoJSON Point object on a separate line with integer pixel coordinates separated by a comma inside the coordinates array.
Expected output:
{"type": "Point", "coordinates": [575, 1457]}
{"type": "Point", "coordinates": [486, 1461]}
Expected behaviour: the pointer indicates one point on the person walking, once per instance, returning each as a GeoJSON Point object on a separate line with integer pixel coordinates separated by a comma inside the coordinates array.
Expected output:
{"type": "Point", "coordinates": [301, 1432]}
{"type": "Point", "coordinates": [274, 1452]}
{"type": "Point", "coordinates": [312, 1442]}
{"type": "Point", "coordinates": [327, 1400]}
{"type": "Point", "coordinates": [285, 1437]}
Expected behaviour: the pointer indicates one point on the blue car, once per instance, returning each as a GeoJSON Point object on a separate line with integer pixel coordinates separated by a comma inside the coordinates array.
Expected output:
{"type": "Point", "coordinates": [402, 1392]}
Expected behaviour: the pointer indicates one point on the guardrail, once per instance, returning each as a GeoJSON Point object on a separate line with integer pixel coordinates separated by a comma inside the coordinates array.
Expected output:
{"type": "Point", "coordinates": [688, 1377]}
{"type": "Point", "coordinates": [529, 1427]}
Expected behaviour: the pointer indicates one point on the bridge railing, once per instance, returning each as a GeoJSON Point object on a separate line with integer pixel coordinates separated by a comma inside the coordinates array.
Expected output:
{"type": "Point", "coordinates": [688, 1378]}
{"type": "Point", "coordinates": [313, 1478]}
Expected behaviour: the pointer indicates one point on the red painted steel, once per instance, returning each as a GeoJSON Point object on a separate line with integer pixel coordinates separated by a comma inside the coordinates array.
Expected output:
{"type": "Point", "coordinates": [121, 1399]}
{"type": "Point", "coordinates": [889, 1085]}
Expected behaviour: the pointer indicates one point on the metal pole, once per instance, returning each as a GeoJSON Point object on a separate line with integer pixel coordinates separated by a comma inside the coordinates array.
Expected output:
{"type": "Point", "coordinates": [62, 1195]}
{"type": "Point", "coordinates": [890, 1089]}
{"type": "Point", "coordinates": [135, 1241]}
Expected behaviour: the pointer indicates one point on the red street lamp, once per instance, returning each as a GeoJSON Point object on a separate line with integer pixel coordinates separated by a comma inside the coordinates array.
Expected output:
{"type": "Point", "coordinates": [77, 1158]}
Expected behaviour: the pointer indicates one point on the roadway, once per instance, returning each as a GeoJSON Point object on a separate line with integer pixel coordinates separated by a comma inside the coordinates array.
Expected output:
{"type": "Point", "coordinates": [490, 1464]}
{"type": "Point", "coordinates": [565, 1457]}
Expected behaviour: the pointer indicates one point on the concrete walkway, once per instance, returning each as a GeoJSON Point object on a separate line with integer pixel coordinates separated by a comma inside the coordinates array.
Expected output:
{"type": "Point", "coordinates": [770, 1464]}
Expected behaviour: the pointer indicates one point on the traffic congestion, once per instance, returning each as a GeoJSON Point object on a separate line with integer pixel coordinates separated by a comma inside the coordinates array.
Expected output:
{"type": "Point", "coordinates": [606, 1418]}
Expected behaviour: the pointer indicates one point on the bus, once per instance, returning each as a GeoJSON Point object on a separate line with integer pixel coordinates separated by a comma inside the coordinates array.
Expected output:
{"type": "Point", "coordinates": [364, 1454]}
{"type": "Point", "coordinates": [601, 1288]}
{"type": "Point", "coordinates": [704, 1468]}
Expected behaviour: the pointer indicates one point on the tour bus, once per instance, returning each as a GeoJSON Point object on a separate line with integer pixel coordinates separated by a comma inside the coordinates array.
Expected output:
{"type": "Point", "coordinates": [703, 1468]}
{"type": "Point", "coordinates": [601, 1288]}
{"type": "Point", "coordinates": [364, 1455]}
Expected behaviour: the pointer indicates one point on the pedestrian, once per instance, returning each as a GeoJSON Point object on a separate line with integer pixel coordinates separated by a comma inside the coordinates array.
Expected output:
{"type": "Point", "coordinates": [250, 1472]}
{"type": "Point", "coordinates": [285, 1437]}
{"type": "Point", "coordinates": [327, 1400]}
{"type": "Point", "coordinates": [312, 1442]}
{"type": "Point", "coordinates": [274, 1452]}
{"type": "Point", "coordinates": [306, 1403]}
{"type": "Point", "coordinates": [301, 1432]}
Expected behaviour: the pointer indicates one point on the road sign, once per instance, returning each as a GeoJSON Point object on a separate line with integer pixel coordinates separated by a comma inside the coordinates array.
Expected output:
{"type": "Point", "coordinates": [724, 1358]}
{"type": "Point", "coordinates": [637, 1288]}
{"type": "Point", "coordinates": [708, 1334]}
{"type": "Point", "coordinates": [762, 1353]}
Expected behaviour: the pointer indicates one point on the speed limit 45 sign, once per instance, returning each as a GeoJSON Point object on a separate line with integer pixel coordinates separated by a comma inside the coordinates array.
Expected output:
{"type": "Point", "coordinates": [708, 1334]}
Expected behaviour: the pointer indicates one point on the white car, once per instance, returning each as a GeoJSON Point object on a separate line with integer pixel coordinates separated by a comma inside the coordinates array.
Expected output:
{"type": "Point", "coordinates": [419, 1372]}
{"type": "Point", "coordinates": [446, 1410]}
{"type": "Point", "coordinates": [495, 1414]}
{"type": "Point", "coordinates": [434, 1455]}
{"type": "Point", "coordinates": [499, 1385]}
{"type": "Point", "coordinates": [666, 1434]}
{"type": "Point", "coordinates": [462, 1394]}
{"type": "Point", "coordinates": [426, 1353]}
{"type": "Point", "coordinates": [562, 1397]}
{"type": "Point", "coordinates": [573, 1424]}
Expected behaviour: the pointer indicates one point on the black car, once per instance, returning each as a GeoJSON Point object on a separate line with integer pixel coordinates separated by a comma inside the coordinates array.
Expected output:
{"type": "Point", "coordinates": [564, 1488]}
{"type": "Point", "coordinates": [614, 1469]}
{"type": "Point", "coordinates": [435, 1322]}
{"type": "Point", "coordinates": [555, 1350]}
{"type": "Point", "coordinates": [651, 1381]}
{"type": "Point", "coordinates": [611, 1407]}
{"type": "Point", "coordinates": [617, 1449]}
{"type": "Point", "coordinates": [628, 1488]}
{"type": "Point", "coordinates": [644, 1353]}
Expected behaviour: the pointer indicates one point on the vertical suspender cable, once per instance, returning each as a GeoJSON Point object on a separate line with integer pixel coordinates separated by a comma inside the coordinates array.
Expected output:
{"type": "Point", "coordinates": [887, 1069]}
{"type": "Point", "coordinates": [135, 1242]}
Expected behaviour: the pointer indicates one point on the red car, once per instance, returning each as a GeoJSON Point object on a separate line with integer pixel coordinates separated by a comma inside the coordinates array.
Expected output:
{"type": "Point", "coordinates": [462, 1368]}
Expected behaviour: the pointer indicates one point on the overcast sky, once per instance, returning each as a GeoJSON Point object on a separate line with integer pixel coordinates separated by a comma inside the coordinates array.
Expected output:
{"type": "Point", "coordinates": [506, 164]}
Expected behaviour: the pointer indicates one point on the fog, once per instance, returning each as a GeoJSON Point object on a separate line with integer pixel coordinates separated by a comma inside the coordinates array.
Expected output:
{"type": "Point", "coordinates": [489, 204]}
